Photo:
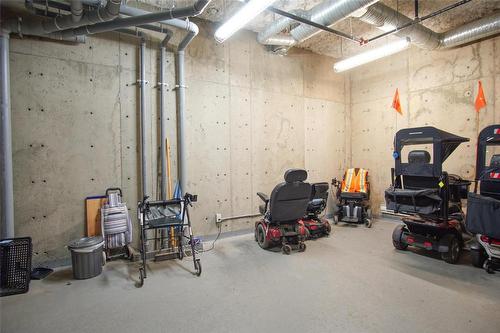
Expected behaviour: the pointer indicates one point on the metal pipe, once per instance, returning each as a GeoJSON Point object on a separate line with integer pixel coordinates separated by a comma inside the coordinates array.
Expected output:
{"type": "Point", "coordinates": [181, 146]}
{"type": "Point", "coordinates": [163, 116]}
{"type": "Point", "coordinates": [76, 10]}
{"type": "Point", "coordinates": [142, 111]}
{"type": "Point", "coordinates": [313, 24]}
{"type": "Point", "coordinates": [239, 217]}
{"type": "Point", "coordinates": [327, 13]}
{"type": "Point", "coordinates": [7, 200]}
{"type": "Point", "coordinates": [194, 10]}
{"type": "Point", "coordinates": [271, 35]}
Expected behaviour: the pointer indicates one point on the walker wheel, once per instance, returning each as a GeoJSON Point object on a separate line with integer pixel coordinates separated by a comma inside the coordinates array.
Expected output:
{"type": "Point", "coordinates": [180, 254]}
{"type": "Point", "coordinates": [141, 277]}
{"type": "Point", "coordinates": [302, 247]}
{"type": "Point", "coordinates": [197, 267]}
{"type": "Point", "coordinates": [287, 249]}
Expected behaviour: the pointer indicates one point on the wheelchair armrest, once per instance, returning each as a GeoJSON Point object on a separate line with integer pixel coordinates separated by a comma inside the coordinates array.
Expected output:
{"type": "Point", "coordinates": [263, 196]}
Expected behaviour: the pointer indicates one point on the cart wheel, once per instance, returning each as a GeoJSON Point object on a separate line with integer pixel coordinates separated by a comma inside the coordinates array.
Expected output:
{"type": "Point", "coordinates": [453, 253]}
{"type": "Point", "coordinates": [368, 223]}
{"type": "Point", "coordinates": [197, 267]}
{"type": "Point", "coordinates": [302, 247]}
{"type": "Point", "coordinates": [261, 237]}
{"type": "Point", "coordinates": [287, 249]}
{"type": "Point", "coordinates": [141, 277]}
{"type": "Point", "coordinates": [396, 238]}
{"type": "Point", "coordinates": [478, 257]}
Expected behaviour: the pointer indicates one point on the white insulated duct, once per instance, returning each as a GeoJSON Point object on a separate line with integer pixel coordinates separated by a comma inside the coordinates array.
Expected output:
{"type": "Point", "coordinates": [386, 18]}
{"type": "Point", "coordinates": [326, 13]}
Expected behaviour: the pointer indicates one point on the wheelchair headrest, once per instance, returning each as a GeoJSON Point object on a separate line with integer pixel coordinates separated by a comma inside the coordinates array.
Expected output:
{"type": "Point", "coordinates": [495, 161]}
{"type": "Point", "coordinates": [419, 157]}
{"type": "Point", "coordinates": [295, 175]}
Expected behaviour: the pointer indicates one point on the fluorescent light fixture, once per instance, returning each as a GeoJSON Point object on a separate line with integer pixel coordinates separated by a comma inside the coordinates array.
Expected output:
{"type": "Point", "coordinates": [246, 13]}
{"type": "Point", "coordinates": [371, 55]}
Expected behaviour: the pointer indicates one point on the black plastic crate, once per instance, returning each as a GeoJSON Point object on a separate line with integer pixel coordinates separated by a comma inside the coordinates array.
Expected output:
{"type": "Point", "coordinates": [15, 265]}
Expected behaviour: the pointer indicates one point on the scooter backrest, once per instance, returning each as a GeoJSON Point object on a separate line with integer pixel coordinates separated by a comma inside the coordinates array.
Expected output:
{"type": "Point", "coordinates": [319, 191]}
{"type": "Point", "coordinates": [419, 157]}
{"type": "Point", "coordinates": [289, 199]}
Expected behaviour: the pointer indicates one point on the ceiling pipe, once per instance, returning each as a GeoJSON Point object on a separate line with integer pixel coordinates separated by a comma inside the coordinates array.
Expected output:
{"type": "Point", "coordinates": [193, 10]}
{"type": "Point", "coordinates": [272, 34]}
{"type": "Point", "coordinates": [386, 19]}
{"type": "Point", "coordinates": [7, 181]}
{"type": "Point", "coordinates": [59, 23]}
{"type": "Point", "coordinates": [76, 10]}
{"type": "Point", "coordinates": [326, 13]}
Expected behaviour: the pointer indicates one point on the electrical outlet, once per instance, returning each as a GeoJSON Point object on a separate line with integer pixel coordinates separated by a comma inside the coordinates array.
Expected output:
{"type": "Point", "coordinates": [218, 218]}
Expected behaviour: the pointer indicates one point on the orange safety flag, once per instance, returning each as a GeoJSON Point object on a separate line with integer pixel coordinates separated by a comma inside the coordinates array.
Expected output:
{"type": "Point", "coordinates": [480, 99]}
{"type": "Point", "coordinates": [395, 102]}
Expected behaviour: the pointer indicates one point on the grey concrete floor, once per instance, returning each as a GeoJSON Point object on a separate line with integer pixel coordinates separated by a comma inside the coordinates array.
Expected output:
{"type": "Point", "coordinates": [353, 281]}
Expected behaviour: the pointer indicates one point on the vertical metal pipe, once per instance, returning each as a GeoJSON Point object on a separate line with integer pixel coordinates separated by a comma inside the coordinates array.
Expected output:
{"type": "Point", "coordinates": [181, 100]}
{"type": "Point", "coordinates": [163, 125]}
{"type": "Point", "coordinates": [7, 200]}
{"type": "Point", "coordinates": [142, 111]}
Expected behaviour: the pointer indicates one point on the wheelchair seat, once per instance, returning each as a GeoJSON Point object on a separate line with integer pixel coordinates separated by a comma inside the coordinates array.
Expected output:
{"type": "Point", "coordinates": [289, 200]}
{"type": "Point", "coordinates": [353, 195]}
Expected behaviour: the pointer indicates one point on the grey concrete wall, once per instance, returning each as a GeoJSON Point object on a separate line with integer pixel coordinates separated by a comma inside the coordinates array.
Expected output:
{"type": "Point", "coordinates": [436, 89]}
{"type": "Point", "coordinates": [250, 116]}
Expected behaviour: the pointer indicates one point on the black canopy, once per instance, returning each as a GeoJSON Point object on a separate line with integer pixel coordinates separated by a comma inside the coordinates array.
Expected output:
{"type": "Point", "coordinates": [489, 136]}
{"type": "Point", "coordinates": [444, 143]}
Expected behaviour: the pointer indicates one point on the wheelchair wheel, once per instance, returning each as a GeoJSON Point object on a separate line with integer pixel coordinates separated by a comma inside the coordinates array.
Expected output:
{"type": "Point", "coordinates": [141, 277]}
{"type": "Point", "coordinates": [287, 249]}
{"type": "Point", "coordinates": [368, 222]}
{"type": "Point", "coordinates": [396, 238]}
{"type": "Point", "coordinates": [302, 247]}
{"type": "Point", "coordinates": [453, 253]}
{"type": "Point", "coordinates": [261, 237]}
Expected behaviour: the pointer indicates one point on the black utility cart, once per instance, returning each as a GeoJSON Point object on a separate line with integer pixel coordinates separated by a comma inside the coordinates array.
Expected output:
{"type": "Point", "coordinates": [429, 196]}
{"type": "Point", "coordinates": [167, 214]}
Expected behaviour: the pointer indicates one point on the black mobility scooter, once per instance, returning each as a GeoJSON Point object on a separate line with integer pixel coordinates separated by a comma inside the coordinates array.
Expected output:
{"type": "Point", "coordinates": [483, 209]}
{"type": "Point", "coordinates": [317, 226]}
{"type": "Point", "coordinates": [353, 194]}
{"type": "Point", "coordinates": [429, 196]}
{"type": "Point", "coordinates": [283, 212]}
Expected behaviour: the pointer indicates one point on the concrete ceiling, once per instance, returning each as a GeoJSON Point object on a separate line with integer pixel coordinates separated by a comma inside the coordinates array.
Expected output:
{"type": "Point", "coordinates": [328, 44]}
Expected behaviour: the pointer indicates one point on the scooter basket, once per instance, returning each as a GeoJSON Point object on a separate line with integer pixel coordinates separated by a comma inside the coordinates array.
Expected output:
{"type": "Point", "coordinates": [483, 215]}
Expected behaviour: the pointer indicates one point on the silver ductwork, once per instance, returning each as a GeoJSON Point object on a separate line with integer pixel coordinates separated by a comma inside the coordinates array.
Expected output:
{"type": "Point", "coordinates": [482, 28]}
{"type": "Point", "coordinates": [386, 18]}
{"type": "Point", "coordinates": [326, 13]}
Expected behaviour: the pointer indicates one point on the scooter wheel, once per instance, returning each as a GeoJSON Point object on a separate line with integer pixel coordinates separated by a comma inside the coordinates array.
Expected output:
{"type": "Point", "coordinates": [478, 257]}
{"type": "Point", "coordinates": [368, 223]}
{"type": "Point", "coordinates": [302, 247]}
{"type": "Point", "coordinates": [396, 238]}
{"type": "Point", "coordinates": [287, 249]}
{"type": "Point", "coordinates": [453, 253]}
{"type": "Point", "coordinates": [197, 267]}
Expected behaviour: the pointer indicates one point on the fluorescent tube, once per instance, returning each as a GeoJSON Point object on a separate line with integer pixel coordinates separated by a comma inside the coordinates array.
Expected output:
{"type": "Point", "coordinates": [371, 55]}
{"type": "Point", "coordinates": [244, 15]}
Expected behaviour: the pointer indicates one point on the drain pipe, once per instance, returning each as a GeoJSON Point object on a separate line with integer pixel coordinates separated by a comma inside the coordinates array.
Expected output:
{"type": "Point", "coordinates": [7, 200]}
{"type": "Point", "coordinates": [197, 8]}
{"type": "Point", "coordinates": [163, 126]}
{"type": "Point", "coordinates": [181, 103]}
{"type": "Point", "coordinates": [142, 111]}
